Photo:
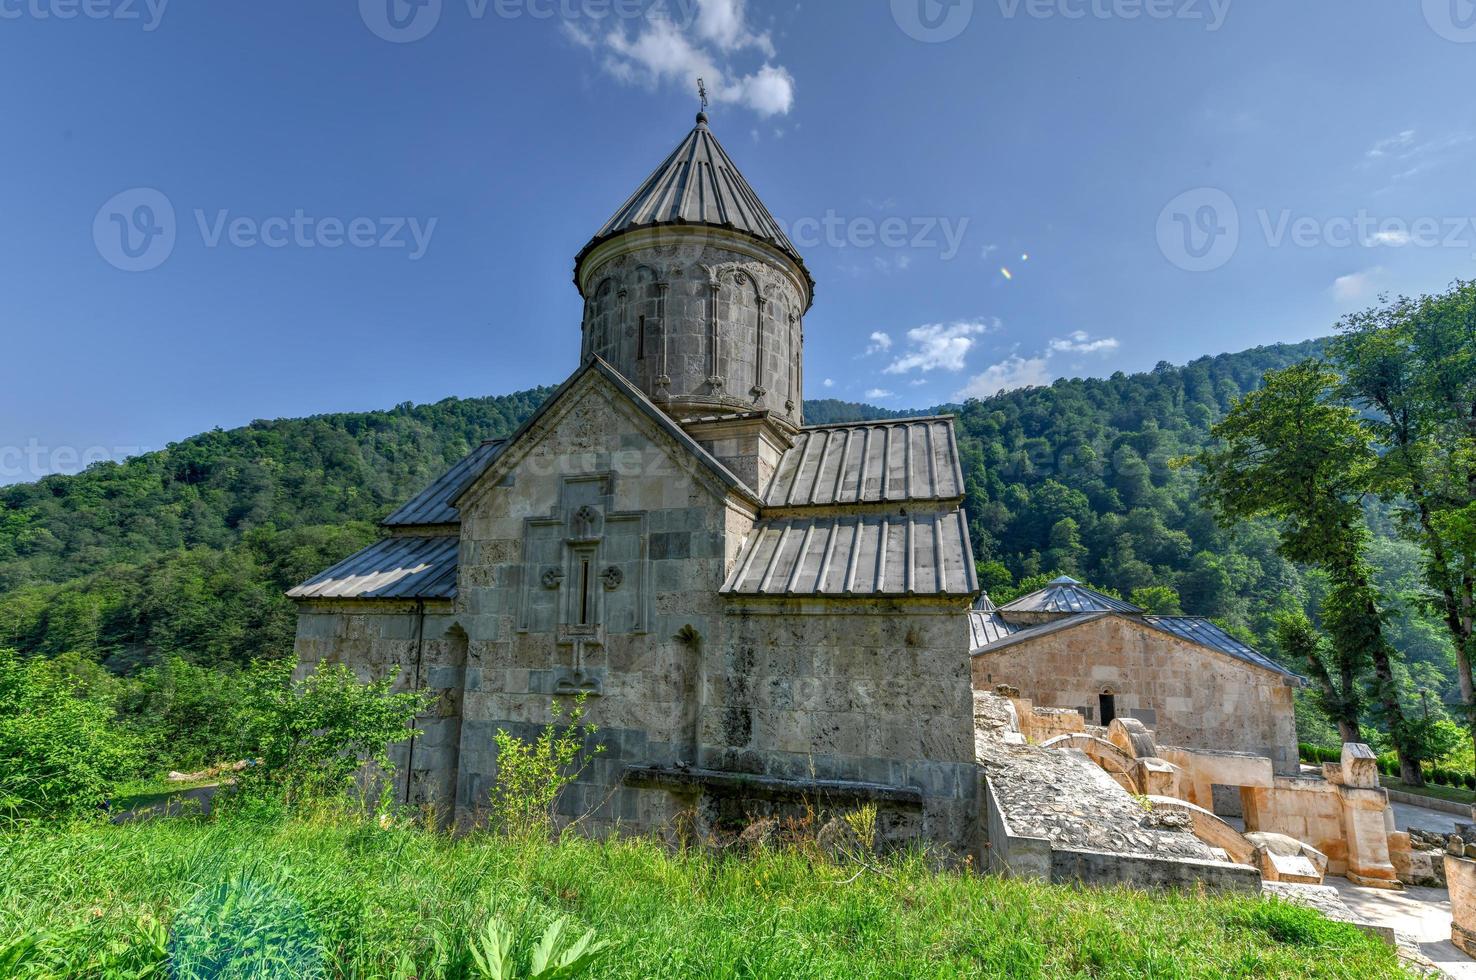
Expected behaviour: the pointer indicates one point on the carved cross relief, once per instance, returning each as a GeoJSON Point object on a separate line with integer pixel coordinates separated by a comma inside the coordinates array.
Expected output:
{"type": "Point", "coordinates": [584, 570]}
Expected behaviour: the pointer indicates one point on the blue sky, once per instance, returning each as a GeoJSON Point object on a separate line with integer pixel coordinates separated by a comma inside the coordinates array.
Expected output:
{"type": "Point", "coordinates": [1185, 177]}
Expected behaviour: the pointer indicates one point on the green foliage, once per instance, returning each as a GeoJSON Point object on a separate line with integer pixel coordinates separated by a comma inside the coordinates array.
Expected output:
{"type": "Point", "coordinates": [1160, 600]}
{"type": "Point", "coordinates": [315, 735]}
{"type": "Point", "coordinates": [1294, 453]}
{"type": "Point", "coordinates": [406, 903]}
{"type": "Point", "coordinates": [244, 928]}
{"type": "Point", "coordinates": [59, 752]}
{"type": "Point", "coordinates": [495, 958]}
{"type": "Point", "coordinates": [531, 776]}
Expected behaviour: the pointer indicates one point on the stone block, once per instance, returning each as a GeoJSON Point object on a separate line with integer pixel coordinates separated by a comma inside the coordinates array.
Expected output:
{"type": "Point", "coordinates": [1359, 767]}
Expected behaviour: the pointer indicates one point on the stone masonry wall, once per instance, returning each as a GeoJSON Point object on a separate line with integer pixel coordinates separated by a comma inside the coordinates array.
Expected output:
{"type": "Point", "coordinates": [1188, 695]}
{"type": "Point", "coordinates": [675, 290]}
{"type": "Point", "coordinates": [655, 625]}
{"type": "Point", "coordinates": [871, 691]}
{"type": "Point", "coordinates": [419, 647]}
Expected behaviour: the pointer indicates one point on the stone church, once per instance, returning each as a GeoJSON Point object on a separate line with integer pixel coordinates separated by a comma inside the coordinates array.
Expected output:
{"type": "Point", "coordinates": [763, 615]}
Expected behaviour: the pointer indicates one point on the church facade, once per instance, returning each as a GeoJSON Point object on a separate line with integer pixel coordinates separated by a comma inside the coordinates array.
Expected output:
{"type": "Point", "coordinates": [763, 615]}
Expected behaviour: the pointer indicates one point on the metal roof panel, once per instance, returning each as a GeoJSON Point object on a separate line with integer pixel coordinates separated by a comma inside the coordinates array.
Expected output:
{"type": "Point", "coordinates": [869, 462]}
{"type": "Point", "coordinates": [395, 568]}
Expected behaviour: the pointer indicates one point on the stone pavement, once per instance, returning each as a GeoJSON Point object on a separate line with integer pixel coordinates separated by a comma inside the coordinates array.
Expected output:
{"type": "Point", "coordinates": [1420, 915]}
{"type": "Point", "coordinates": [1406, 816]}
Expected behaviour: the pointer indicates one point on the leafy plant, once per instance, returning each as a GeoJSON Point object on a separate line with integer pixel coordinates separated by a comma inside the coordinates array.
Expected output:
{"type": "Point", "coordinates": [59, 753]}
{"type": "Point", "coordinates": [531, 776]}
{"type": "Point", "coordinates": [316, 734]}
{"type": "Point", "coordinates": [493, 955]}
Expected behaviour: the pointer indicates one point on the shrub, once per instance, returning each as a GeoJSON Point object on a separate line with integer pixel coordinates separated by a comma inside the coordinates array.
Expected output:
{"type": "Point", "coordinates": [532, 775]}
{"type": "Point", "coordinates": [1470, 780]}
{"type": "Point", "coordinates": [1440, 776]}
{"type": "Point", "coordinates": [315, 735]}
{"type": "Point", "coordinates": [59, 752]}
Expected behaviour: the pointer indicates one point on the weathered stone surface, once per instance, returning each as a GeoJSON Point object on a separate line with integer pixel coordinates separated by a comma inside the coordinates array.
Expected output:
{"type": "Point", "coordinates": [1068, 800]}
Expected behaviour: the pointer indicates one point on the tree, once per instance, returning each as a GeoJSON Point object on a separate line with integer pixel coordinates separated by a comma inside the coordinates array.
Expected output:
{"type": "Point", "coordinates": [1292, 452]}
{"type": "Point", "coordinates": [1157, 600]}
{"type": "Point", "coordinates": [1410, 365]}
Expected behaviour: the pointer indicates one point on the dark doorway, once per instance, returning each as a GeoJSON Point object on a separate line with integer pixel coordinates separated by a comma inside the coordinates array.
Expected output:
{"type": "Point", "coordinates": [1109, 708]}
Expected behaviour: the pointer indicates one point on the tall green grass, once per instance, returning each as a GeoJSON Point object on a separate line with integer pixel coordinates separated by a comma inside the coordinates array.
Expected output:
{"type": "Point", "coordinates": [336, 896]}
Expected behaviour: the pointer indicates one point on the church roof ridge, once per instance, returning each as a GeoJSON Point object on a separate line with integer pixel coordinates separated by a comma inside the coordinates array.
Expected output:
{"type": "Point", "coordinates": [1067, 595]}
{"type": "Point", "coordinates": [669, 425]}
{"type": "Point", "coordinates": [862, 423]}
{"type": "Point", "coordinates": [697, 184]}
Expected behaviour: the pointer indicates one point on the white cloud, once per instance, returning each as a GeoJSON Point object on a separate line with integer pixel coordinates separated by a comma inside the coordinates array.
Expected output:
{"type": "Point", "coordinates": [828, 382]}
{"type": "Point", "coordinates": [1393, 144]}
{"type": "Point", "coordinates": [1357, 285]}
{"type": "Point", "coordinates": [1016, 371]}
{"type": "Point", "coordinates": [1394, 238]}
{"type": "Point", "coordinates": [725, 23]}
{"type": "Point", "coordinates": [1013, 372]}
{"type": "Point", "coordinates": [881, 342]}
{"type": "Point", "coordinates": [662, 52]}
{"type": "Point", "coordinates": [937, 346]}
{"type": "Point", "coordinates": [1080, 342]}
{"type": "Point", "coordinates": [880, 393]}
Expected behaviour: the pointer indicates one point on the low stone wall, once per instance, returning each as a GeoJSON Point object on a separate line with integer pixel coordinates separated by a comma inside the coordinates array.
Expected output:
{"type": "Point", "coordinates": [1037, 859]}
{"type": "Point", "coordinates": [1148, 872]}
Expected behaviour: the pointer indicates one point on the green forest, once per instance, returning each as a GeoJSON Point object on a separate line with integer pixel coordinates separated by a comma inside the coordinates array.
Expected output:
{"type": "Point", "coordinates": [185, 553]}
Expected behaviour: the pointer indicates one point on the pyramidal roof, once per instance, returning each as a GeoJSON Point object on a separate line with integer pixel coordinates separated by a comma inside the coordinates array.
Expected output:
{"type": "Point", "coordinates": [698, 184]}
{"type": "Point", "coordinates": [1067, 595]}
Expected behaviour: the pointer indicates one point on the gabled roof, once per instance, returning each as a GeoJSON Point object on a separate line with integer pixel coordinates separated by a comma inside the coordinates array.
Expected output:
{"type": "Point", "coordinates": [895, 461]}
{"type": "Point", "coordinates": [917, 554]}
{"type": "Point", "coordinates": [433, 504]}
{"type": "Point", "coordinates": [597, 365]}
{"type": "Point", "coordinates": [698, 184]}
{"type": "Point", "coordinates": [1067, 595]}
{"type": "Point", "coordinates": [1202, 631]}
{"type": "Point", "coordinates": [395, 568]}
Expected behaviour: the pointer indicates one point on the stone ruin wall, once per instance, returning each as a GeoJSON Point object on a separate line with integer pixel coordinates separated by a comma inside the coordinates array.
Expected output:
{"type": "Point", "coordinates": [1188, 695]}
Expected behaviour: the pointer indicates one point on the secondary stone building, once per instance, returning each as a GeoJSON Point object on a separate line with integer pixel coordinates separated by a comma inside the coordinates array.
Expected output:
{"type": "Point", "coordinates": [760, 612]}
{"type": "Point", "coordinates": [1195, 685]}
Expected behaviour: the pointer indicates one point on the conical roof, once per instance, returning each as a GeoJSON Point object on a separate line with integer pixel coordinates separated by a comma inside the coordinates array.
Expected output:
{"type": "Point", "coordinates": [1067, 595]}
{"type": "Point", "coordinates": [698, 184]}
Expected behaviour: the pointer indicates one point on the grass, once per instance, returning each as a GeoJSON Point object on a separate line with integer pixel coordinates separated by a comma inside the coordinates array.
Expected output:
{"type": "Point", "coordinates": [1431, 790]}
{"type": "Point", "coordinates": [346, 898]}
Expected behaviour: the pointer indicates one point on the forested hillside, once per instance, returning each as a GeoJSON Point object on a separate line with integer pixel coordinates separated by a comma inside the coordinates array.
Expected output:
{"type": "Point", "coordinates": [188, 550]}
